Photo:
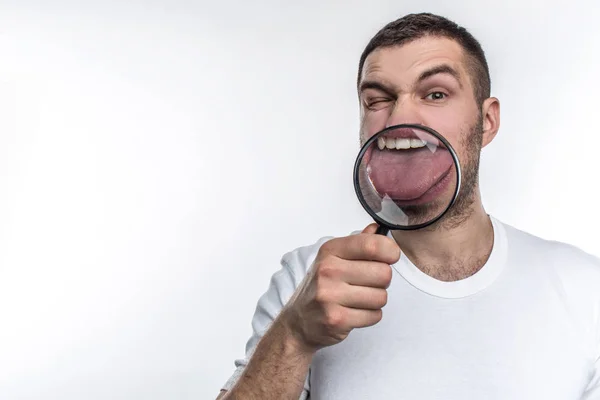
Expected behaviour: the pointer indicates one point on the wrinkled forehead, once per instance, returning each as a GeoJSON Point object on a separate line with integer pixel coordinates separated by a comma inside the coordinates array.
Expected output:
{"type": "Point", "coordinates": [402, 65]}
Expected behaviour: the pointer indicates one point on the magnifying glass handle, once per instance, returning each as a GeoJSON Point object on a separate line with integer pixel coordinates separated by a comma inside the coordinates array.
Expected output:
{"type": "Point", "coordinates": [382, 230]}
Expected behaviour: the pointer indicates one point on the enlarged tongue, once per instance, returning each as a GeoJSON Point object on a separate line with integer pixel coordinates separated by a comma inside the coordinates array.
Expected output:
{"type": "Point", "coordinates": [407, 174]}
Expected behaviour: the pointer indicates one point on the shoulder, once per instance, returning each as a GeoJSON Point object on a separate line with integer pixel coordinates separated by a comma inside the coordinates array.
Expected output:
{"type": "Point", "coordinates": [560, 254]}
{"type": "Point", "coordinates": [567, 271]}
{"type": "Point", "coordinates": [574, 270]}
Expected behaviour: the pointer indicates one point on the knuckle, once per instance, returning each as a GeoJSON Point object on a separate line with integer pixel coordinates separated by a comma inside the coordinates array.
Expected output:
{"type": "Point", "coordinates": [329, 271]}
{"type": "Point", "coordinates": [334, 318]}
{"type": "Point", "coordinates": [329, 246]}
{"type": "Point", "coordinates": [325, 247]}
{"type": "Point", "coordinates": [328, 268]}
{"type": "Point", "coordinates": [371, 246]}
{"type": "Point", "coordinates": [322, 294]}
{"type": "Point", "coordinates": [325, 292]}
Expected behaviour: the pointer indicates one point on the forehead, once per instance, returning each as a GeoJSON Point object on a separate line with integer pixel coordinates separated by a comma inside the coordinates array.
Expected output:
{"type": "Point", "coordinates": [403, 64]}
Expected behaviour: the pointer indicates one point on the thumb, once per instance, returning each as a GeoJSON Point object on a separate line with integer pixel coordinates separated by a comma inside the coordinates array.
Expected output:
{"type": "Point", "coordinates": [371, 228]}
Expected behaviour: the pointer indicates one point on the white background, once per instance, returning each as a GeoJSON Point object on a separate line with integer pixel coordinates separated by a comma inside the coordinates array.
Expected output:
{"type": "Point", "coordinates": [157, 158]}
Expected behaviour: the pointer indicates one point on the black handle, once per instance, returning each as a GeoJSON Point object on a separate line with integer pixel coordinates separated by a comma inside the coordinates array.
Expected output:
{"type": "Point", "coordinates": [382, 230]}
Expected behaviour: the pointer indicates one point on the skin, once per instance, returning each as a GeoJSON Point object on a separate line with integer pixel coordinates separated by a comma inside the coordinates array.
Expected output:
{"type": "Point", "coordinates": [346, 287]}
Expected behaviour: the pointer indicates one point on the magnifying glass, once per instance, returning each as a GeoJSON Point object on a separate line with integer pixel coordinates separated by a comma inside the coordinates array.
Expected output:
{"type": "Point", "coordinates": [406, 177]}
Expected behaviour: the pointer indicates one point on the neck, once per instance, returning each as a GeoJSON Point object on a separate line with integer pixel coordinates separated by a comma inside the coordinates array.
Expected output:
{"type": "Point", "coordinates": [453, 248]}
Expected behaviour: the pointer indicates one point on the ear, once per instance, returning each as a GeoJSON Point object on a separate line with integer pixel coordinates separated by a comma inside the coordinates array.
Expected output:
{"type": "Point", "coordinates": [490, 113]}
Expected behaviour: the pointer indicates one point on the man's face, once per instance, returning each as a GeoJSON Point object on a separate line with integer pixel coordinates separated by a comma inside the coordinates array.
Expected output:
{"type": "Point", "coordinates": [425, 82]}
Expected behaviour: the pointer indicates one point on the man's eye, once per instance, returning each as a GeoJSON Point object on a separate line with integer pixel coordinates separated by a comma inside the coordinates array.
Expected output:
{"type": "Point", "coordinates": [436, 96]}
{"type": "Point", "coordinates": [376, 103]}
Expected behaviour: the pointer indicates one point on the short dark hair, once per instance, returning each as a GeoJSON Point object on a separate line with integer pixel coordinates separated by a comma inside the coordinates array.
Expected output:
{"type": "Point", "coordinates": [415, 26]}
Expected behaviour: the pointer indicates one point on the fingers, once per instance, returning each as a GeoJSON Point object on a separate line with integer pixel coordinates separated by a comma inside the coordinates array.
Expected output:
{"type": "Point", "coordinates": [367, 273]}
{"type": "Point", "coordinates": [362, 318]}
{"type": "Point", "coordinates": [364, 246]}
{"type": "Point", "coordinates": [364, 298]}
{"type": "Point", "coordinates": [371, 228]}
{"type": "Point", "coordinates": [343, 319]}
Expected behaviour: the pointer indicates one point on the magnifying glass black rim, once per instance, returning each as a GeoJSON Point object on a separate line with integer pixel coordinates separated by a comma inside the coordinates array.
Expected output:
{"type": "Point", "coordinates": [359, 192]}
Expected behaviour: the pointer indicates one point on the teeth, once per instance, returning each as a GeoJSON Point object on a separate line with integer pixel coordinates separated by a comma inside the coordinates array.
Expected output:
{"type": "Point", "coordinates": [417, 143]}
{"type": "Point", "coordinates": [402, 143]}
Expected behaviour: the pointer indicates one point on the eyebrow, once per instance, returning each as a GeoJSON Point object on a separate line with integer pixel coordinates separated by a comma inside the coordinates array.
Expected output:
{"type": "Point", "coordinates": [440, 69]}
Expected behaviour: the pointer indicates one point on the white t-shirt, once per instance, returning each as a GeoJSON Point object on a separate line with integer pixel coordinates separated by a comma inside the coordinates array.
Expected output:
{"type": "Point", "coordinates": [525, 326]}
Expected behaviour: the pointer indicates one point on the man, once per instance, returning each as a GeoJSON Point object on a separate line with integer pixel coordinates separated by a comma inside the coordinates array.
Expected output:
{"type": "Point", "coordinates": [474, 308]}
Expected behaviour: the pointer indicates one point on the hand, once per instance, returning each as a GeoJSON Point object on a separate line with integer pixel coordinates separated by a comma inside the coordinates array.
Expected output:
{"type": "Point", "coordinates": [344, 289]}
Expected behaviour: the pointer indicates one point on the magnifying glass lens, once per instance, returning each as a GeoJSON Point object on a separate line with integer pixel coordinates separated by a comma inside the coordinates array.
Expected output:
{"type": "Point", "coordinates": [407, 176]}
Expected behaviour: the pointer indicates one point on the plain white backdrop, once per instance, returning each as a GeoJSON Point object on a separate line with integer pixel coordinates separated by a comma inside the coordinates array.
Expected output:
{"type": "Point", "coordinates": [158, 157]}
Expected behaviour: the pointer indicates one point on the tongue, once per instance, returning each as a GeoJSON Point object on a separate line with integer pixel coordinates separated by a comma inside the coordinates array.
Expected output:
{"type": "Point", "coordinates": [407, 174]}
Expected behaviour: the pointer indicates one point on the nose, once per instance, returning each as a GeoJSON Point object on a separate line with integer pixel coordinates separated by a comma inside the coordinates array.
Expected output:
{"type": "Point", "coordinates": [405, 111]}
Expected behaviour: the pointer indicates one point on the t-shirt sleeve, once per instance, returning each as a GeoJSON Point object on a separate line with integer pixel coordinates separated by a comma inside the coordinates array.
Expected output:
{"type": "Point", "coordinates": [284, 282]}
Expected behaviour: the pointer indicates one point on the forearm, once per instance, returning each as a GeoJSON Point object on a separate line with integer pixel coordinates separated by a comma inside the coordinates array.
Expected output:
{"type": "Point", "coordinates": [277, 369]}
